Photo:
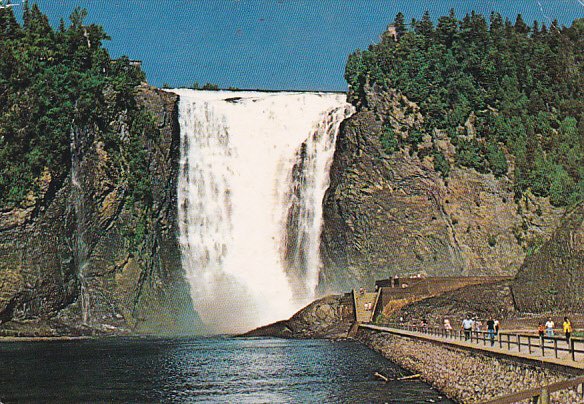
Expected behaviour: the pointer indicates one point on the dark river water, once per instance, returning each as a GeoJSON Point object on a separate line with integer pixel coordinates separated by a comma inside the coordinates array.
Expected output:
{"type": "Point", "coordinates": [202, 370]}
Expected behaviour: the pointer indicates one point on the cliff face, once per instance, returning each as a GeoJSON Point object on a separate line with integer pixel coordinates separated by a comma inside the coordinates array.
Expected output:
{"type": "Point", "coordinates": [389, 214]}
{"type": "Point", "coordinates": [552, 278]}
{"type": "Point", "coordinates": [85, 253]}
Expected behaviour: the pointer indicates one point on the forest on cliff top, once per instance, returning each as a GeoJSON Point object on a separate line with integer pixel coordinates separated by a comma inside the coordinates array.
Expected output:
{"type": "Point", "coordinates": [498, 89]}
{"type": "Point", "coordinates": [54, 82]}
{"type": "Point", "coordinates": [521, 86]}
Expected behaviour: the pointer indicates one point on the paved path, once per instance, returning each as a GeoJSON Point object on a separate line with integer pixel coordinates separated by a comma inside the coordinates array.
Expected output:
{"type": "Point", "coordinates": [365, 303]}
{"type": "Point", "coordinates": [564, 358]}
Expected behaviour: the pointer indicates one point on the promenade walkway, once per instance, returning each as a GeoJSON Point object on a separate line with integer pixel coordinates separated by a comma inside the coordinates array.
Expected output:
{"type": "Point", "coordinates": [365, 303]}
{"type": "Point", "coordinates": [554, 351]}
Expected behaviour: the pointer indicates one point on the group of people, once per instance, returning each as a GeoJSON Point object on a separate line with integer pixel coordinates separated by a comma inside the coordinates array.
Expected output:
{"type": "Point", "coordinates": [470, 324]}
{"type": "Point", "coordinates": [547, 329]}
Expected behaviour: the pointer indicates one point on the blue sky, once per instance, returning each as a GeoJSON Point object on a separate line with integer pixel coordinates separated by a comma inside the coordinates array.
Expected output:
{"type": "Point", "coordinates": [267, 44]}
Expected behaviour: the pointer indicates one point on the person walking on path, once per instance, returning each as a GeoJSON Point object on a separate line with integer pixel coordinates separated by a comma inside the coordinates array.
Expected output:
{"type": "Point", "coordinates": [491, 330]}
{"type": "Point", "coordinates": [540, 331]}
{"type": "Point", "coordinates": [496, 327]}
{"type": "Point", "coordinates": [447, 326]}
{"type": "Point", "coordinates": [549, 327]}
{"type": "Point", "coordinates": [567, 329]}
{"type": "Point", "coordinates": [467, 325]}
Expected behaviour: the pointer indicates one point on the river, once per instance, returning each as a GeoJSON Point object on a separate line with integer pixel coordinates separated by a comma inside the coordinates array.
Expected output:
{"type": "Point", "coordinates": [235, 370]}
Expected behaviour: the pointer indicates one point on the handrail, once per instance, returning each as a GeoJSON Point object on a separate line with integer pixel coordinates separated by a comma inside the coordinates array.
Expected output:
{"type": "Point", "coordinates": [503, 339]}
{"type": "Point", "coordinates": [378, 293]}
{"type": "Point", "coordinates": [355, 303]}
{"type": "Point", "coordinates": [538, 392]}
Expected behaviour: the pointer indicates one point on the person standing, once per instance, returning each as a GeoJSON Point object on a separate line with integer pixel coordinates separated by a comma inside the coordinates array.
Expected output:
{"type": "Point", "coordinates": [478, 325]}
{"type": "Point", "coordinates": [447, 326]}
{"type": "Point", "coordinates": [540, 331]}
{"type": "Point", "coordinates": [567, 326]}
{"type": "Point", "coordinates": [496, 327]}
{"type": "Point", "coordinates": [467, 325]}
{"type": "Point", "coordinates": [549, 327]}
{"type": "Point", "coordinates": [491, 330]}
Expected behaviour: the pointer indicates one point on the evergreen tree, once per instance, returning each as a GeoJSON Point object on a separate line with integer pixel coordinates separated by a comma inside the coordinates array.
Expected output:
{"type": "Point", "coordinates": [51, 81]}
{"type": "Point", "coordinates": [524, 85]}
{"type": "Point", "coordinates": [400, 25]}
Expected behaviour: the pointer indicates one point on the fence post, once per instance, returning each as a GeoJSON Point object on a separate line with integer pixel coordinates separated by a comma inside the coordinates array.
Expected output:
{"type": "Point", "coordinates": [556, 348]}
{"type": "Point", "coordinates": [500, 341]}
{"type": "Point", "coordinates": [529, 343]}
{"type": "Point", "coordinates": [545, 396]}
{"type": "Point", "coordinates": [508, 342]}
{"type": "Point", "coordinates": [572, 349]}
{"type": "Point", "coordinates": [541, 341]}
{"type": "Point", "coordinates": [519, 342]}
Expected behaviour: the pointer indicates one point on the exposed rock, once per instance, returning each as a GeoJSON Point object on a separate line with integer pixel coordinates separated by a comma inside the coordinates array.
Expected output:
{"type": "Point", "coordinates": [552, 277]}
{"type": "Point", "coordinates": [329, 317]}
{"type": "Point", "coordinates": [132, 283]}
{"type": "Point", "coordinates": [394, 214]}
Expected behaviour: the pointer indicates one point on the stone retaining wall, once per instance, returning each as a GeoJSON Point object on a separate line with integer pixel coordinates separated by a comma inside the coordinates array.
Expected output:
{"type": "Point", "coordinates": [463, 375]}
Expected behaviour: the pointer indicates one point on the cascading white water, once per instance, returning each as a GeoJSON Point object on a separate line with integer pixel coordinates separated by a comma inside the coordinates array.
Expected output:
{"type": "Point", "coordinates": [251, 165]}
{"type": "Point", "coordinates": [309, 182]}
{"type": "Point", "coordinates": [80, 248]}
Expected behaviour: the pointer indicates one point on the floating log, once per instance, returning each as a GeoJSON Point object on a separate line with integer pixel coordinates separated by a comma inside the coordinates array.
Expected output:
{"type": "Point", "coordinates": [382, 377]}
{"type": "Point", "coordinates": [387, 379]}
{"type": "Point", "coordinates": [409, 377]}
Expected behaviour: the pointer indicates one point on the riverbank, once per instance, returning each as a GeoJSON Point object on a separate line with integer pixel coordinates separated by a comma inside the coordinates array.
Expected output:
{"type": "Point", "coordinates": [43, 339]}
{"type": "Point", "coordinates": [462, 375]}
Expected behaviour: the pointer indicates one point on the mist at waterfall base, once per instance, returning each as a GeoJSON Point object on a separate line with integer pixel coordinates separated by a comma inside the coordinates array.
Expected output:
{"type": "Point", "coordinates": [252, 176]}
{"type": "Point", "coordinates": [226, 370]}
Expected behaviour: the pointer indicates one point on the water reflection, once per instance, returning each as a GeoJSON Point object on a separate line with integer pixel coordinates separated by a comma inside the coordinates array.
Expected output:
{"type": "Point", "coordinates": [201, 370]}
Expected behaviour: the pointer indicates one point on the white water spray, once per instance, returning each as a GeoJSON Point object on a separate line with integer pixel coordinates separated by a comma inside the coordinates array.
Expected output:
{"type": "Point", "coordinates": [253, 172]}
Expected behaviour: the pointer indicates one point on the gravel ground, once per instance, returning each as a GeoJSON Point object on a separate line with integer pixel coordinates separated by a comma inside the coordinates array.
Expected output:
{"type": "Point", "coordinates": [464, 376]}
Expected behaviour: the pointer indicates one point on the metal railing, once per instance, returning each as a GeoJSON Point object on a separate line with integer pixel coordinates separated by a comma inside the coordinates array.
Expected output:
{"type": "Point", "coordinates": [530, 343]}
{"type": "Point", "coordinates": [541, 395]}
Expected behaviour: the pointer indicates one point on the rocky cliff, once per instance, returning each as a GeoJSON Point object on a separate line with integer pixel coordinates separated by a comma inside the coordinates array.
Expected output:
{"type": "Point", "coordinates": [329, 317]}
{"type": "Point", "coordinates": [393, 213]}
{"type": "Point", "coordinates": [84, 257]}
{"type": "Point", "coordinates": [552, 278]}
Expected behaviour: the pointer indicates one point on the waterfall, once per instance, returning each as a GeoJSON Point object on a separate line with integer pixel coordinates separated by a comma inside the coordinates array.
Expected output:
{"type": "Point", "coordinates": [80, 247]}
{"type": "Point", "coordinates": [309, 181]}
{"type": "Point", "coordinates": [253, 172]}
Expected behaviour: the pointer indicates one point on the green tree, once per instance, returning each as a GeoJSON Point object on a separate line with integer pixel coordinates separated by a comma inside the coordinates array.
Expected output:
{"type": "Point", "coordinates": [524, 85]}
{"type": "Point", "coordinates": [399, 24]}
{"type": "Point", "coordinates": [51, 83]}
{"type": "Point", "coordinates": [388, 139]}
